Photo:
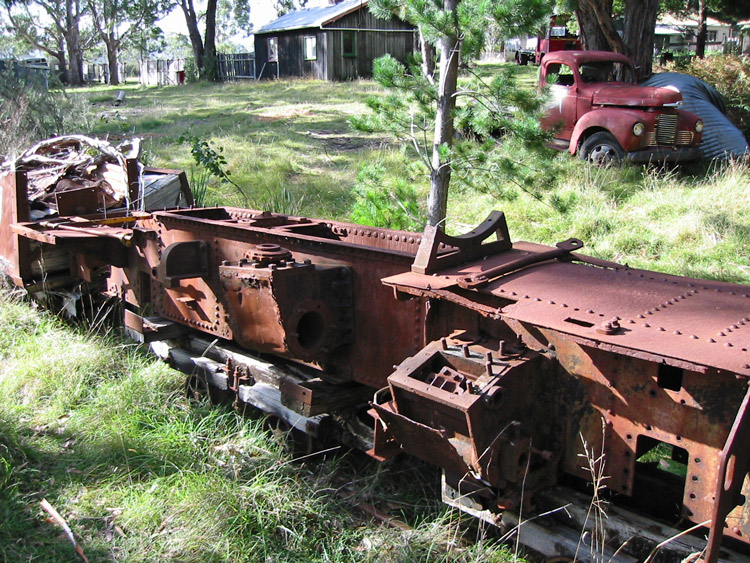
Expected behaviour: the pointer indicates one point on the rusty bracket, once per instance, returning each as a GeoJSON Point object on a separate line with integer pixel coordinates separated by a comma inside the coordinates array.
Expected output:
{"type": "Point", "coordinates": [734, 464]}
{"type": "Point", "coordinates": [434, 251]}
{"type": "Point", "coordinates": [563, 249]}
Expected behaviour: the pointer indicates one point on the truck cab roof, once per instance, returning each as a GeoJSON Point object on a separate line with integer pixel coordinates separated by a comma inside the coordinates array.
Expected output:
{"type": "Point", "coordinates": [576, 58]}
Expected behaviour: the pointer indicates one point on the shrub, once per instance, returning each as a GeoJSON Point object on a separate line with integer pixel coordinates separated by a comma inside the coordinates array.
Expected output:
{"type": "Point", "coordinates": [30, 113]}
{"type": "Point", "coordinates": [730, 75]}
{"type": "Point", "coordinates": [383, 200]}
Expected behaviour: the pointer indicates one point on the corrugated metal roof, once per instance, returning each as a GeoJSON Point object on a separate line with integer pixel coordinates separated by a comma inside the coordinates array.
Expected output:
{"type": "Point", "coordinates": [312, 17]}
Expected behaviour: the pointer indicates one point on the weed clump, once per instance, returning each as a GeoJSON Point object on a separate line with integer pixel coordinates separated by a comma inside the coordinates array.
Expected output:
{"type": "Point", "coordinates": [29, 112]}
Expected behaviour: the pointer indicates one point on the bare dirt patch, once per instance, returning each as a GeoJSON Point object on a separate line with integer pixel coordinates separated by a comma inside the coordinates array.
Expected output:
{"type": "Point", "coordinates": [283, 112]}
{"type": "Point", "coordinates": [344, 141]}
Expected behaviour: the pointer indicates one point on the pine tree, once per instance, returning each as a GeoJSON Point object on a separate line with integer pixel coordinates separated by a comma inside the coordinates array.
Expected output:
{"type": "Point", "coordinates": [457, 29]}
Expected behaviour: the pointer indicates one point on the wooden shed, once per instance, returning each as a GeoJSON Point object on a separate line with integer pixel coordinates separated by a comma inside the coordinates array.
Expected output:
{"type": "Point", "coordinates": [334, 42]}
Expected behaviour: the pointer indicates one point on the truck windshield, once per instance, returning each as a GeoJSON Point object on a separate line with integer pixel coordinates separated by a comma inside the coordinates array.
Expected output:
{"type": "Point", "coordinates": [606, 71]}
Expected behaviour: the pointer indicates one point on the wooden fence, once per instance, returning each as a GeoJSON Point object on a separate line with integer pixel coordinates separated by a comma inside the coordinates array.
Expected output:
{"type": "Point", "coordinates": [235, 66]}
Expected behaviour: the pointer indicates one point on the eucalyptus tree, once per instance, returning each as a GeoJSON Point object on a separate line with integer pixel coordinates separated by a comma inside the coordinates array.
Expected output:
{"type": "Point", "coordinates": [116, 21]}
{"type": "Point", "coordinates": [283, 7]}
{"type": "Point", "coordinates": [204, 46]}
{"type": "Point", "coordinates": [56, 30]}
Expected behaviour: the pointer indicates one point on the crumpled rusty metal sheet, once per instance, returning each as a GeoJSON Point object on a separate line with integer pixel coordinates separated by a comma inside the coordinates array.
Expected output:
{"type": "Point", "coordinates": [85, 167]}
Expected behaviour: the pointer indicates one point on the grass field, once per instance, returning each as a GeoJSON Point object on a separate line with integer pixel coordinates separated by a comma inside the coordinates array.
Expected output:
{"type": "Point", "coordinates": [104, 433]}
{"type": "Point", "coordinates": [289, 146]}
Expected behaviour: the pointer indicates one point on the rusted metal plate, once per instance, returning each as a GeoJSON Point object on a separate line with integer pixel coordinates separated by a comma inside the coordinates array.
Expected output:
{"type": "Point", "coordinates": [672, 317]}
{"type": "Point", "coordinates": [82, 201]}
{"type": "Point", "coordinates": [642, 361]}
{"type": "Point", "coordinates": [667, 316]}
{"type": "Point", "coordinates": [14, 208]}
{"type": "Point", "coordinates": [554, 350]}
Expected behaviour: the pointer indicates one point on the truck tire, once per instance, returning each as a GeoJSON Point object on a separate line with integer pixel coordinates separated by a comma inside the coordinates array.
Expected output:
{"type": "Point", "coordinates": [521, 59]}
{"type": "Point", "coordinates": [601, 149]}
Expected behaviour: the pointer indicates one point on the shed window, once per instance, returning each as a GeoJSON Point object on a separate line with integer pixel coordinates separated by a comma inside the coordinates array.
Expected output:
{"type": "Point", "coordinates": [311, 48]}
{"type": "Point", "coordinates": [273, 49]}
{"type": "Point", "coordinates": [349, 44]}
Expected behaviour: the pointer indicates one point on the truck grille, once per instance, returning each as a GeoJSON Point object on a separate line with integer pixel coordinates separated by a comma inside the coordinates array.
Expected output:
{"type": "Point", "coordinates": [666, 129]}
{"type": "Point", "coordinates": [684, 138]}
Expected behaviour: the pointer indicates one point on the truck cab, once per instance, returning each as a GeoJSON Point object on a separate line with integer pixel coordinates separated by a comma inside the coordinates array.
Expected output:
{"type": "Point", "coordinates": [597, 111]}
{"type": "Point", "coordinates": [556, 37]}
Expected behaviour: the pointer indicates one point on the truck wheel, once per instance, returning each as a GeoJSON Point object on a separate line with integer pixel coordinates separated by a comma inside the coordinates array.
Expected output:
{"type": "Point", "coordinates": [601, 149]}
{"type": "Point", "coordinates": [521, 59]}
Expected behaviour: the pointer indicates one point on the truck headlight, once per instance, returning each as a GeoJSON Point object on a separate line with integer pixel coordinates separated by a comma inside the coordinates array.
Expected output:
{"type": "Point", "coordinates": [699, 126]}
{"type": "Point", "coordinates": [638, 129]}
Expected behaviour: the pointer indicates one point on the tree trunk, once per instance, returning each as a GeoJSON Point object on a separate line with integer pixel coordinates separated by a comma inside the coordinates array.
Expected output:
{"type": "Point", "coordinates": [592, 37]}
{"type": "Point", "coordinates": [598, 31]}
{"type": "Point", "coordinates": [114, 71]}
{"type": "Point", "coordinates": [62, 65]}
{"type": "Point", "coordinates": [428, 57]}
{"type": "Point", "coordinates": [210, 70]}
{"type": "Point", "coordinates": [72, 40]}
{"type": "Point", "coordinates": [75, 61]}
{"type": "Point", "coordinates": [595, 19]}
{"type": "Point", "coordinates": [638, 34]}
{"type": "Point", "coordinates": [440, 174]}
{"type": "Point", "coordinates": [191, 20]}
{"type": "Point", "coordinates": [700, 40]}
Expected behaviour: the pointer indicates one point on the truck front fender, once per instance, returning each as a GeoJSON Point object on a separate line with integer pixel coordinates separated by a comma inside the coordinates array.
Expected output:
{"type": "Point", "coordinates": [617, 121]}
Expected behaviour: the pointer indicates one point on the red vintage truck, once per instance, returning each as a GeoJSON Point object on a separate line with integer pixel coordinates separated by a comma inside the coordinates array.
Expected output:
{"type": "Point", "coordinates": [598, 111]}
{"type": "Point", "coordinates": [557, 37]}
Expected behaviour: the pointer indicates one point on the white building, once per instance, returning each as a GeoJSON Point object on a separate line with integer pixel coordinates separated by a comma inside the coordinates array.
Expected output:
{"type": "Point", "coordinates": [675, 34]}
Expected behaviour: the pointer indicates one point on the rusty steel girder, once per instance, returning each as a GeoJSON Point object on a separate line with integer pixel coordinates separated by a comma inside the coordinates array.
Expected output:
{"type": "Point", "coordinates": [290, 286]}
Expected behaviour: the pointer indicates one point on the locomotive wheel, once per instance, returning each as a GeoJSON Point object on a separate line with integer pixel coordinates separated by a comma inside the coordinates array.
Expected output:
{"type": "Point", "coordinates": [601, 149]}
{"type": "Point", "coordinates": [291, 439]}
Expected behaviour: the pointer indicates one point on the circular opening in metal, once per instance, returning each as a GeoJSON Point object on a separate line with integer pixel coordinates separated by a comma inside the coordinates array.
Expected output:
{"type": "Point", "coordinates": [310, 330]}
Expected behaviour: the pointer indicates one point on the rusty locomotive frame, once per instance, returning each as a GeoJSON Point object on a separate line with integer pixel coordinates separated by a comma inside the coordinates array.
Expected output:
{"type": "Point", "coordinates": [503, 363]}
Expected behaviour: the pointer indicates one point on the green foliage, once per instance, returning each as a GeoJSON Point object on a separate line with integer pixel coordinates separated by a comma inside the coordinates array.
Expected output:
{"type": "Point", "coordinates": [382, 200]}
{"type": "Point", "coordinates": [283, 7]}
{"type": "Point", "coordinates": [191, 71]}
{"type": "Point", "coordinates": [210, 70]}
{"type": "Point", "coordinates": [473, 19]}
{"type": "Point", "coordinates": [498, 134]}
{"type": "Point", "coordinates": [730, 75]}
{"type": "Point", "coordinates": [430, 101]}
{"type": "Point", "coordinates": [29, 112]}
{"type": "Point", "coordinates": [233, 19]}
{"type": "Point", "coordinates": [666, 220]}
{"type": "Point", "coordinates": [211, 162]}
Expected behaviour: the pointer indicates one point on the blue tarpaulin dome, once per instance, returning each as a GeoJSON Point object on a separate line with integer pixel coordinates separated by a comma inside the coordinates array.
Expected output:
{"type": "Point", "coordinates": [721, 139]}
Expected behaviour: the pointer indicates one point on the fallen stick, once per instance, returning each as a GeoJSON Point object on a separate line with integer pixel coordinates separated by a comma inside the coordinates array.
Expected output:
{"type": "Point", "coordinates": [49, 509]}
